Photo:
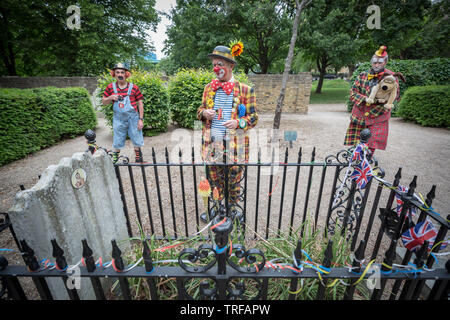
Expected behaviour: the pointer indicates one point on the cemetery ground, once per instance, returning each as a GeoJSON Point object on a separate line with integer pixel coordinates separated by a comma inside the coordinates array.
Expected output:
{"type": "Point", "coordinates": [420, 151]}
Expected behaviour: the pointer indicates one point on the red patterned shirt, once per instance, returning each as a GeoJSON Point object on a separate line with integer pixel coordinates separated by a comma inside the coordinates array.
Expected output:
{"type": "Point", "coordinates": [135, 95]}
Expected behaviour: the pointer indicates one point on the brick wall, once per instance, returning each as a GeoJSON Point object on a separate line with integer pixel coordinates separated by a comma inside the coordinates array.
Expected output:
{"type": "Point", "coordinates": [268, 88]}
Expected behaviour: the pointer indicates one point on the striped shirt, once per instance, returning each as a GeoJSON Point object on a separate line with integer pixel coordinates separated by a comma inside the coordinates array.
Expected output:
{"type": "Point", "coordinates": [224, 102]}
{"type": "Point", "coordinates": [135, 95]}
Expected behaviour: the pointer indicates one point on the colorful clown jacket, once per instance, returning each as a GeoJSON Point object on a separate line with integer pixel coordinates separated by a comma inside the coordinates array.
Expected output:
{"type": "Point", "coordinates": [239, 139]}
{"type": "Point", "coordinates": [363, 114]}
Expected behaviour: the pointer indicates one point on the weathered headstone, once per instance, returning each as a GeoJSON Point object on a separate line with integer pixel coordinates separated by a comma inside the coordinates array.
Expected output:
{"type": "Point", "coordinates": [77, 199]}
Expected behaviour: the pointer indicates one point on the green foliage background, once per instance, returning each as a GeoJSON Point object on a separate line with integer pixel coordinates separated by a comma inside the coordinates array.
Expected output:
{"type": "Point", "coordinates": [32, 119]}
{"type": "Point", "coordinates": [36, 40]}
{"type": "Point", "coordinates": [186, 91]}
{"type": "Point", "coordinates": [156, 100]}
{"type": "Point", "coordinates": [427, 105]}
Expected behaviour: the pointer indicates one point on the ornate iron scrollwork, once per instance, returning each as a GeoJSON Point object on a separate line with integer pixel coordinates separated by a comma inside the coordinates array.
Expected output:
{"type": "Point", "coordinates": [195, 257]}
{"type": "Point", "coordinates": [343, 192]}
{"type": "Point", "coordinates": [240, 291]}
{"type": "Point", "coordinates": [390, 223]}
{"type": "Point", "coordinates": [249, 256]}
{"type": "Point", "coordinates": [220, 152]}
{"type": "Point", "coordinates": [337, 218]}
{"type": "Point", "coordinates": [206, 290]}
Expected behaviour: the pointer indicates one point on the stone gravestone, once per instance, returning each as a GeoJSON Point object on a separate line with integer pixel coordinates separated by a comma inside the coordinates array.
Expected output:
{"type": "Point", "coordinates": [77, 199]}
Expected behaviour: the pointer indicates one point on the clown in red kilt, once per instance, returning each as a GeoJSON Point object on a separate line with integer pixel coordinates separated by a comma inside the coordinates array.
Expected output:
{"type": "Point", "coordinates": [374, 116]}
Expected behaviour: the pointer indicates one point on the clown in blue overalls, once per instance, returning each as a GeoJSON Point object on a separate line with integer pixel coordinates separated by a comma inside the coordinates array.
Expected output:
{"type": "Point", "coordinates": [128, 111]}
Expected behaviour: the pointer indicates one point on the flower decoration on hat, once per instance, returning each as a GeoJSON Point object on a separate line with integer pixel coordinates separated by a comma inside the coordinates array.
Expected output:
{"type": "Point", "coordinates": [381, 52]}
{"type": "Point", "coordinates": [236, 47]}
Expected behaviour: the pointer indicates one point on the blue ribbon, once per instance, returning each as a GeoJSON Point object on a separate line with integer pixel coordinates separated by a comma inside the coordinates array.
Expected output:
{"type": "Point", "coordinates": [220, 250]}
{"type": "Point", "coordinates": [304, 252]}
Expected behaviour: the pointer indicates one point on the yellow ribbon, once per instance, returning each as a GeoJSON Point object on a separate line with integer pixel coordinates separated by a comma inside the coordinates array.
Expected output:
{"type": "Point", "coordinates": [364, 273]}
{"type": "Point", "coordinates": [296, 292]}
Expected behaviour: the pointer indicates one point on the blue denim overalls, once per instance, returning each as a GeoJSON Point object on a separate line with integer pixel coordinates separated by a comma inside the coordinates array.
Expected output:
{"type": "Point", "coordinates": [125, 120]}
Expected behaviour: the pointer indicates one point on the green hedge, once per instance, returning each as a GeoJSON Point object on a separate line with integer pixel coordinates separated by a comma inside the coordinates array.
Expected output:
{"type": "Point", "coordinates": [186, 91]}
{"type": "Point", "coordinates": [427, 105]}
{"type": "Point", "coordinates": [416, 72]}
{"type": "Point", "coordinates": [31, 119]}
{"type": "Point", "coordinates": [156, 100]}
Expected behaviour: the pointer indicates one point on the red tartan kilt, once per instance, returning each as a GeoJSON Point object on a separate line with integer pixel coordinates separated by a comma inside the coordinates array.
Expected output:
{"type": "Point", "coordinates": [378, 139]}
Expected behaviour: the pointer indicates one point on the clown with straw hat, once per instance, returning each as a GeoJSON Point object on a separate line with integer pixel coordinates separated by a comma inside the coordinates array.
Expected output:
{"type": "Point", "coordinates": [228, 109]}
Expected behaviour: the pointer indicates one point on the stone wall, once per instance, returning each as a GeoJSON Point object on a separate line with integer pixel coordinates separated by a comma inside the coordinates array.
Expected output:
{"type": "Point", "coordinates": [268, 87]}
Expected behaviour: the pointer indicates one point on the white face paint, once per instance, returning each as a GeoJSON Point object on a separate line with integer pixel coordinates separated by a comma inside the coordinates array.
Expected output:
{"type": "Point", "coordinates": [222, 70]}
{"type": "Point", "coordinates": [221, 73]}
{"type": "Point", "coordinates": [378, 63]}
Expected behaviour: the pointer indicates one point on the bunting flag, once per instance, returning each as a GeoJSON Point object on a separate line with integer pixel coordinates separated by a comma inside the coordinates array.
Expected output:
{"type": "Point", "coordinates": [358, 153]}
{"type": "Point", "coordinates": [415, 237]}
{"type": "Point", "coordinates": [411, 211]}
{"type": "Point", "coordinates": [362, 174]}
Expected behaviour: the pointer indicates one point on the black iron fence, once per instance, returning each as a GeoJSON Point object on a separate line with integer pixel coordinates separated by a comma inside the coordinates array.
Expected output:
{"type": "Point", "coordinates": [161, 200]}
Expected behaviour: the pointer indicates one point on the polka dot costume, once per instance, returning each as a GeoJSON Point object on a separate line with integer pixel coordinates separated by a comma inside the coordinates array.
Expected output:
{"type": "Point", "coordinates": [226, 86]}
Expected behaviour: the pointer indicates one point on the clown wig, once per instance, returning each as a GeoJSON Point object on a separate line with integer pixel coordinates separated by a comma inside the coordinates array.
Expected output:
{"type": "Point", "coordinates": [113, 74]}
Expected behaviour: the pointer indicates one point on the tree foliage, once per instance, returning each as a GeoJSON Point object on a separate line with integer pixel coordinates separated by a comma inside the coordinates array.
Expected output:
{"type": "Point", "coordinates": [432, 39]}
{"type": "Point", "coordinates": [329, 34]}
{"type": "Point", "coordinates": [37, 40]}
{"type": "Point", "coordinates": [200, 25]}
{"type": "Point", "coordinates": [336, 34]}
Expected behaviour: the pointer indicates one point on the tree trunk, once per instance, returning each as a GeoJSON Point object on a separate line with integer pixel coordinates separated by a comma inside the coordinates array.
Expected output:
{"type": "Point", "coordinates": [7, 52]}
{"type": "Point", "coordinates": [264, 66]}
{"type": "Point", "coordinates": [322, 64]}
{"type": "Point", "coordinates": [320, 83]}
{"type": "Point", "coordinates": [351, 69]}
{"type": "Point", "coordinates": [287, 66]}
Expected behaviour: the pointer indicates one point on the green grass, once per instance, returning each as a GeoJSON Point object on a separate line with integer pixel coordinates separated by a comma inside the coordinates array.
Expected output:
{"type": "Point", "coordinates": [333, 91]}
{"type": "Point", "coordinates": [279, 249]}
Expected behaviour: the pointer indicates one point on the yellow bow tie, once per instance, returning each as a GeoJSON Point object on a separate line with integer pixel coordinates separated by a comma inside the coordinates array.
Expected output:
{"type": "Point", "coordinates": [371, 76]}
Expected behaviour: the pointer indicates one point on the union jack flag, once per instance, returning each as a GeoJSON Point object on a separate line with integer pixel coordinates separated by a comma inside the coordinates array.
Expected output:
{"type": "Point", "coordinates": [411, 211]}
{"type": "Point", "coordinates": [358, 153]}
{"type": "Point", "coordinates": [414, 238]}
{"type": "Point", "coordinates": [362, 174]}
